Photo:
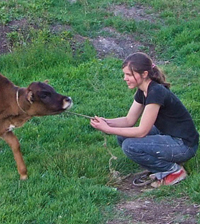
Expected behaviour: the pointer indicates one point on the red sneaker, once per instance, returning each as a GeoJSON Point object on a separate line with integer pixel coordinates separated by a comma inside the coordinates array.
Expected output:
{"type": "Point", "coordinates": [171, 179]}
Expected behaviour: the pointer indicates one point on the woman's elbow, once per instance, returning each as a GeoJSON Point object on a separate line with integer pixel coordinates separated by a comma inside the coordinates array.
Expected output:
{"type": "Point", "coordinates": [143, 133]}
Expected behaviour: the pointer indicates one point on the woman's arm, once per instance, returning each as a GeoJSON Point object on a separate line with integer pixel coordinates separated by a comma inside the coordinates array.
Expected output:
{"type": "Point", "coordinates": [146, 123]}
{"type": "Point", "coordinates": [131, 118]}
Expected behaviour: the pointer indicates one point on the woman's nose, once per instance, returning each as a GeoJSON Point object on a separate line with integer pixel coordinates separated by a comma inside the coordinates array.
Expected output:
{"type": "Point", "coordinates": [125, 77]}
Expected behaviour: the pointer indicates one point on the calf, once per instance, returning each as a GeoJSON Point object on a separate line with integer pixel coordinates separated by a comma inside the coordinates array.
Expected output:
{"type": "Point", "coordinates": [18, 105]}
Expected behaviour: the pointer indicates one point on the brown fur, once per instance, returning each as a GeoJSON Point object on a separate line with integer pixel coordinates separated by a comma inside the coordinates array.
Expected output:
{"type": "Point", "coordinates": [18, 105]}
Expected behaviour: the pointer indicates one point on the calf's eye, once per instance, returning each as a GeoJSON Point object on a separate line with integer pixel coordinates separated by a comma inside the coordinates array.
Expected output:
{"type": "Point", "coordinates": [44, 94]}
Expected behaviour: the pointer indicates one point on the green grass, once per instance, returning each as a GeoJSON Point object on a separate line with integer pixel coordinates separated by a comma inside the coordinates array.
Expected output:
{"type": "Point", "coordinates": [67, 162]}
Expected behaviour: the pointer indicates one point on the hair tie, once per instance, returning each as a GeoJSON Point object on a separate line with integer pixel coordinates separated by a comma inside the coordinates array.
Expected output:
{"type": "Point", "coordinates": [153, 65]}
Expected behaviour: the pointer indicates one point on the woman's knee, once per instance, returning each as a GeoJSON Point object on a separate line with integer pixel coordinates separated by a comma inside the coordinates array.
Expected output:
{"type": "Point", "coordinates": [129, 148]}
{"type": "Point", "coordinates": [120, 140]}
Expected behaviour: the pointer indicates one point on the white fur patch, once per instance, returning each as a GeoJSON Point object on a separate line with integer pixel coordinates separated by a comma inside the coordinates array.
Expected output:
{"type": "Point", "coordinates": [11, 127]}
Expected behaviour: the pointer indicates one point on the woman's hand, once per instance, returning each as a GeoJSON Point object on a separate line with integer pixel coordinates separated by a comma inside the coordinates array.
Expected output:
{"type": "Point", "coordinates": [100, 124]}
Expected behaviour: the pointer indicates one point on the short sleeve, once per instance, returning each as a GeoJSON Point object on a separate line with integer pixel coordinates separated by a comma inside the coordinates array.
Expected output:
{"type": "Point", "coordinates": [156, 95]}
{"type": "Point", "coordinates": [139, 97]}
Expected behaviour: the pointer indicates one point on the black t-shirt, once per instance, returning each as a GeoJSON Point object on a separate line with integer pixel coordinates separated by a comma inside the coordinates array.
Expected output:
{"type": "Point", "coordinates": [173, 118]}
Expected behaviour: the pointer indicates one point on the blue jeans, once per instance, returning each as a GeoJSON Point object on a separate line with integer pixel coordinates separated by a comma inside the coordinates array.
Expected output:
{"type": "Point", "coordinates": [160, 154]}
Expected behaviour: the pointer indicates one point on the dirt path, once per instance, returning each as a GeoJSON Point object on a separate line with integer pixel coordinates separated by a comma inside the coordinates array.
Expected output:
{"type": "Point", "coordinates": [140, 209]}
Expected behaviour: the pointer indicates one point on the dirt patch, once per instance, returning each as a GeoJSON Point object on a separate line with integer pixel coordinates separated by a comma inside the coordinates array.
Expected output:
{"type": "Point", "coordinates": [17, 25]}
{"type": "Point", "coordinates": [119, 44]}
{"type": "Point", "coordinates": [114, 44]}
{"type": "Point", "coordinates": [150, 212]}
{"type": "Point", "coordinates": [138, 13]}
{"type": "Point", "coordinates": [147, 210]}
{"type": "Point", "coordinates": [20, 31]}
{"type": "Point", "coordinates": [3, 39]}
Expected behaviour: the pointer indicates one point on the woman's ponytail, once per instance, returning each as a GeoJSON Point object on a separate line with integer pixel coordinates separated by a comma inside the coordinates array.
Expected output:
{"type": "Point", "coordinates": [158, 76]}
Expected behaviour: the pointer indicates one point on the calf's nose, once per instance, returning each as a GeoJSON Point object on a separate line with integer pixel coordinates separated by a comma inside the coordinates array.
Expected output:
{"type": "Point", "coordinates": [67, 102]}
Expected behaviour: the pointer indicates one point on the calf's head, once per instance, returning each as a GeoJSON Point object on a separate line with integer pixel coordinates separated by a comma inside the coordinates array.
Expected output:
{"type": "Point", "coordinates": [44, 100]}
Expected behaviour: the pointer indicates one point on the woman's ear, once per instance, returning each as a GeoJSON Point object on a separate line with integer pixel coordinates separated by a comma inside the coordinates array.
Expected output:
{"type": "Point", "coordinates": [145, 74]}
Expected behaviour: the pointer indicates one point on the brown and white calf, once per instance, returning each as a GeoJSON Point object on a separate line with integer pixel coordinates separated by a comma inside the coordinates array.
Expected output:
{"type": "Point", "coordinates": [18, 105]}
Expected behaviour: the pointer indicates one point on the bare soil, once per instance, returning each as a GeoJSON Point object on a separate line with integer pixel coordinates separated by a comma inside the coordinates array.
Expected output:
{"type": "Point", "coordinates": [117, 44]}
{"type": "Point", "coordinates": [140, 209]}
{"type": "Point", "coordinates": [136, 208]}
{"type": "Point", "coordinates": [17, 25]}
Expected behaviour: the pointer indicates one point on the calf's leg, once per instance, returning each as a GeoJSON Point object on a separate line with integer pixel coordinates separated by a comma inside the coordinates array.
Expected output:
{"type": "Point", "coordinates": [13, 142]}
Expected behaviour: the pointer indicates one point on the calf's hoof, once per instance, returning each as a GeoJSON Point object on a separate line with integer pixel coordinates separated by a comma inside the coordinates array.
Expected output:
{"type": "Point", "coordinates": [23, 177]}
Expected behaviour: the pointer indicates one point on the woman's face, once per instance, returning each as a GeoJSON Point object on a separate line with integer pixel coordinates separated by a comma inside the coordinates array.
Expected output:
{"type": "Point", "coordinates": [132, 80]}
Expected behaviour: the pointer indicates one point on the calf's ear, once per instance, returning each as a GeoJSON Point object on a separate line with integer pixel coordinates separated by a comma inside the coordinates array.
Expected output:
{"type": "Point", "coordinates": [30, 97]}
{"type": "Point", "coordinates": [46, 81]}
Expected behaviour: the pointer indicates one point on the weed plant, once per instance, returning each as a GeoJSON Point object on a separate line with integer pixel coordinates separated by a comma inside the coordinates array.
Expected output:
{"type": "Point", "coordinates": [67, 161]}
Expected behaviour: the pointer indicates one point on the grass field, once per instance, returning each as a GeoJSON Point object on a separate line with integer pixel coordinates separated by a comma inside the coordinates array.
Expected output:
{"type": "Point", "coordinates": [67, 162]}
